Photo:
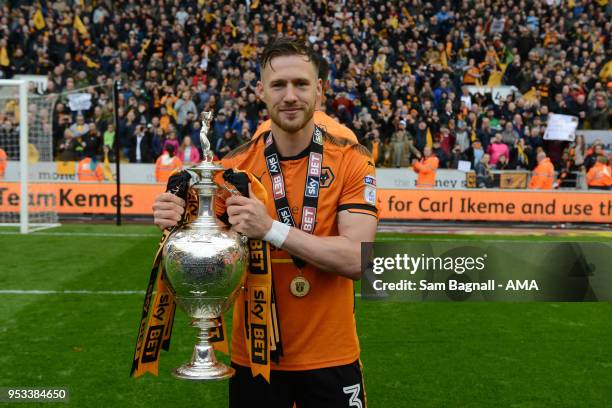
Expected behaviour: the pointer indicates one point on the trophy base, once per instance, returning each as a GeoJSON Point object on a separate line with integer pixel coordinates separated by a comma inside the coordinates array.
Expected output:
{"type": "Point", "coordinates": [204, 365]}
{"type": "Point", "coordinates": [190, 372]}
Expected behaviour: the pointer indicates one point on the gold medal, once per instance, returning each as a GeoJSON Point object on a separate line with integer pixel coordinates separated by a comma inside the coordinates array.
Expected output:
{"type": "Point", "coordinates": [299, 286]}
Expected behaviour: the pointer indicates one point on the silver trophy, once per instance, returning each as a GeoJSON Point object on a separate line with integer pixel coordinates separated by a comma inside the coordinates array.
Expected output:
{"type": "Point", "coordinates": [205, 263]}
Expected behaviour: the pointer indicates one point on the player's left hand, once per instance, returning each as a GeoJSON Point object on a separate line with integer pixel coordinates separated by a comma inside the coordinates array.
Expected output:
{"type": "Point", "coordinates": [248, 215]}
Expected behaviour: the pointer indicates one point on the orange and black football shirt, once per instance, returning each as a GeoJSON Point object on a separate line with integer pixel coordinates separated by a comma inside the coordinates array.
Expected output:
{"type": "Point", "coordinates": [317, 330]}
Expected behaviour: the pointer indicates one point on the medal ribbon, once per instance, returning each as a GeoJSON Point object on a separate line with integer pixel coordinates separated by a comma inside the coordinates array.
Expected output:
{"type": "Point", "coordinates": [311, 189]}
{"type": "Point", "coordinates": [261, 327]}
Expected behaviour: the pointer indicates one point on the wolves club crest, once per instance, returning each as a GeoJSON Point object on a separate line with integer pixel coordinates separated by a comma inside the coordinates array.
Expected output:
{"type": "Point", "coordinates": [327, 177]}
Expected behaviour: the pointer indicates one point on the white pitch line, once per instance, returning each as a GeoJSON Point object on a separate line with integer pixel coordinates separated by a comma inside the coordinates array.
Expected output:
{"type": "Point", "coordinates": [84, 234]}
{"type": "Point", "coordinates": [81, 292]}
{"type": "Point", "coordinates": [71, 292]}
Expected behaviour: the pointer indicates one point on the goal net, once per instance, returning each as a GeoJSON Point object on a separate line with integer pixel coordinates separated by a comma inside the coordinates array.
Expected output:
{"type": "Point", "coordinates": [26, 144]}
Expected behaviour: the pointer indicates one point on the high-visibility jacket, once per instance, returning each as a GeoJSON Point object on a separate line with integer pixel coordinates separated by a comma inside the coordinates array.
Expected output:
{"type": "Point", "coordinates": [426, 168]}
{"type": "Point", "coordinates": [88, 170]}
{"type": "Point", "coordinates": [599, 175]}
{"type": "Point", "coordinates": [165, 166]}
{"type": "Point", "coordinates": [3, 159]}
{"type": "Point", "coordinates": [543, 176]}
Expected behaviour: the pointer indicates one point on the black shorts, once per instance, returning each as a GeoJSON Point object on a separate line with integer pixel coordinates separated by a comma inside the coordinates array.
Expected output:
{"type": "Point", "coordinates": [333, 387]}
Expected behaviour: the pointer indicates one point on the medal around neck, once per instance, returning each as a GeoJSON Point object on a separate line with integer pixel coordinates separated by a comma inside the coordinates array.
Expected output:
{"type": "Point", "coordinates": [299, 286]}
{"type": "Point", "coordinates": [205, 263]}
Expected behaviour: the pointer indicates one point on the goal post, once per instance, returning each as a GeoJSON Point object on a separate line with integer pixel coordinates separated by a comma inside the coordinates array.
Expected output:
{"type": "Point", "coordinates": [33, 141]}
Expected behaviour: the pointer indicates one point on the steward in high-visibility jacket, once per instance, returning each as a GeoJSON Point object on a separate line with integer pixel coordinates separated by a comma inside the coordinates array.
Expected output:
{"type": "Point", "coordinates": [600, 175]}
{"type": "Point", "coordinates": [426, 169]}
{"type": "Point", "coordinates": [543, 175]}
{"type": "Point", "coordinates": [167, 164]}
{"type": "Point", "coordinates": [89, 170]}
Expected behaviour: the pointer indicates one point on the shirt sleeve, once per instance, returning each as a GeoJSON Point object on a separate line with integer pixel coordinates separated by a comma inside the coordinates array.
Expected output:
{"type": "Point", "coordinates": [359, 184]}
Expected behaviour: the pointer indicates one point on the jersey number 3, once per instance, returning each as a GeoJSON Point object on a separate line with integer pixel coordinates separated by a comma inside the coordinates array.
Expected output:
{"type": "Point", "coordinates": [353, 391]}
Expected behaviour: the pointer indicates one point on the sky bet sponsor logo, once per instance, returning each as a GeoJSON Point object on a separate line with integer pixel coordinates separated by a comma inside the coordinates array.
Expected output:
{"type": "Point", "coordinates": [315, 164]}
{"type": "Point", "coordinates": [278, 186]}
{"type": "Point", "coordinates": [312, 187]}
{"type": "Point", "coordinates": [284, 215]}
{"type": "Point", "coordinates": [273, 163]}
{"type": "Point", "coordinates": [318, 136]}
{"type": "Point", "coordinates": [308, 218]}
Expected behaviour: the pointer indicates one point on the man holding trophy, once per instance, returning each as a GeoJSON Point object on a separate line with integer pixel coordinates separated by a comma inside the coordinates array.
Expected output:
{"type": "Point", "coordinates": [294, 338]}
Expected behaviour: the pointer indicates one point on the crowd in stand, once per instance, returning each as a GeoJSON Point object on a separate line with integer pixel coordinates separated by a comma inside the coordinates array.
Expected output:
{"type": "Point", "coordinates": [401, 73]}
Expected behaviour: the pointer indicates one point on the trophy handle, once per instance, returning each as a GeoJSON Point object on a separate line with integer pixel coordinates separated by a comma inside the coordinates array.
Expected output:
{"type": "Point", "coordinates": [204, 365]}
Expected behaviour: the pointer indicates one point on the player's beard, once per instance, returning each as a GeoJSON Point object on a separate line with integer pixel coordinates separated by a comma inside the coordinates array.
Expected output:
{"type": "Point", "coordinates": [303, 116]}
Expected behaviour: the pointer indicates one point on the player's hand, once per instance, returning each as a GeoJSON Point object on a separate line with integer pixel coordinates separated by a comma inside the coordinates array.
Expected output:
{"type": "Point", "coordinates": [248, 216]}
{"type": "Point", "coordinates": [168, 210]}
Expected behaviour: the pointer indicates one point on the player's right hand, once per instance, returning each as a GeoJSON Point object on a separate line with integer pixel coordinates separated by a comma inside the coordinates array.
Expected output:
{"type": "Point", "coordinates": [168, 210]}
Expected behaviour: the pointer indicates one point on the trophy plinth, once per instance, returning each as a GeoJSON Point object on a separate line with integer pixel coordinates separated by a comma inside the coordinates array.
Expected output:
{"type": "Point", "coordinates": [203, 365]}
{"type": "Point", "coordinates": [204, 264]}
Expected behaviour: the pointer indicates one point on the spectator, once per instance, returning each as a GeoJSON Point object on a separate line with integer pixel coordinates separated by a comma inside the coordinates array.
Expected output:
{"type": "Point", "coordinates": [578, 151]}
{"type": "Point", "coordinates": [496, 149]}
{"type": "Point", "coordinates": [80, 128]}
{"type": "Point", "coordinates": [389, 61]}
{"type": "Point", "coordinates": [426, 169]}
{"type": "Point", "coordinates": [601, 113]}
{"type": "Point", "coordinates": [502, 163]}
{"type": "Point", "coordinates": [399, 141]}
{"type": "Point", "coordinates": [188, 153]}
{"type": "Point", "coordinates": [485, 133]}
{"type": "Point", "coordinates": [9, 139]}
{"type": "Point", "coordinates": [227, 143]}
{"type": "Point", "coordinates": [455, 157]}
{"type": "Point", "coordinates": [567, 172]}
{"type": "Point", "coordinates": [140, 147]}
{"type": "Point", "coordinates": [593, 154]}
{"type": "Point", "coordinates": [484, 175]}
{"type": "Point", "coordinates": [171, 141]}
{"type": "Point", "coordinates": [66, 147]}
{"type": "Point", "coordinates": [92, 142]}
{"type": "Point", "coordinates": [109, 136]}
{"type": "Point", "coordinates": [543, 175]}
{"type": "Point", "coordinates": [220, 127]}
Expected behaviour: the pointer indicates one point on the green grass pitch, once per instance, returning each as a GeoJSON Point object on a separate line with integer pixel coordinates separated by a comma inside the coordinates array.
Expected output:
{"type": "Point", "coordinates": [414, 354]}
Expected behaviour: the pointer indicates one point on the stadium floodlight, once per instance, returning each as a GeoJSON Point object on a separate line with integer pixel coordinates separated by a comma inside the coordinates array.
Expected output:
{"type": "Point", "coordinates": [32, 115]}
